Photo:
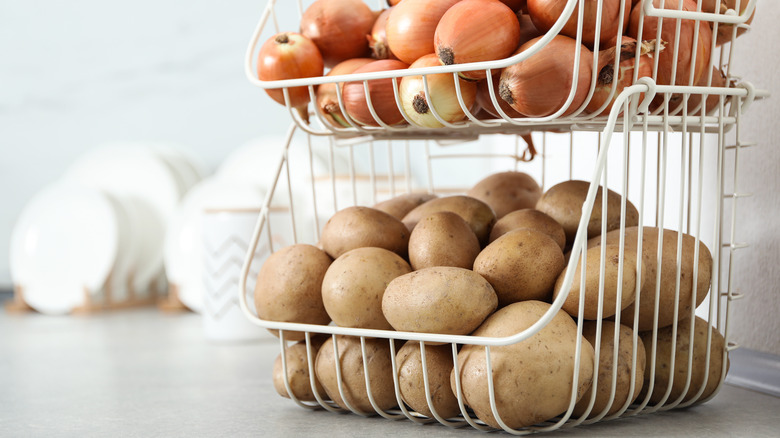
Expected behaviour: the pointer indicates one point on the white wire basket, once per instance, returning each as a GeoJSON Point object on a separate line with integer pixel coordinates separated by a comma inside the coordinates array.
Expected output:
{"type": "Point", "coordinates": [678, 164]}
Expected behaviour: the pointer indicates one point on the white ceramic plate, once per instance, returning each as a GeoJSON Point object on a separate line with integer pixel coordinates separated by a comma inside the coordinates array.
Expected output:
{"type": "Point", "coordinates": [64, 245]}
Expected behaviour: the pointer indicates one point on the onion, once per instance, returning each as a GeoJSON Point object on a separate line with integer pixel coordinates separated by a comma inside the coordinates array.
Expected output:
{"type": "Point", "coordinates": [686, 60]}
{"type": "Point", "coordinates": [515, 5]}
{"type": "Point", "coordinates": [411, 26]}
{"type": "Point", "coordinates": [377, 41]}
{"type": "Point", "coordinates": [725, 30]}
{"type": "Point", "coordinates": [393, 2]}
{"type": "Point", "coordinates": [474, 31]}
{"type": "Point", "coordinates": [545, 13]}
{"type": "Point", "coordinates": [627, 61]}
{"type": "Point", "coordinates": [327, 99]}
{"type": "Point", "coordinates": [443, 95]}
{"type": "Point", "coordinates": [380, 92]}
{"type": "Point", "coordinates": [528, 30]}
{"type": "Point", "coordinates": [338, 28]}
{"type": "Point", "coordinates": [289, 55]}
{"type": "Point", "coordinates": [539, 86]}
{"type": "Point", "coordinates": [694, 101]}
{"type": "Point", "coordinates": [486, 103]}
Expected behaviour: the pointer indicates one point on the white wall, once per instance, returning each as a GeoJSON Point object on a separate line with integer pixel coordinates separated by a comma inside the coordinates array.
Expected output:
{"type": "Point", "coordinates": [80, 73]}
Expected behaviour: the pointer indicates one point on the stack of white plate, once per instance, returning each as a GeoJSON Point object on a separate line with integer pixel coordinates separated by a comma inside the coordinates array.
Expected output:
{"type": "Point", "coordinates": [95, 236]}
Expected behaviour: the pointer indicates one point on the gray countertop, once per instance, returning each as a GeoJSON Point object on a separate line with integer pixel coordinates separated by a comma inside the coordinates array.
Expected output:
{"type": "Point", "coordinates": [146, 373]}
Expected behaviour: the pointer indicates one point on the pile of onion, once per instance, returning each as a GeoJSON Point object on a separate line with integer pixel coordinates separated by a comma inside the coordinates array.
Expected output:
{"type": "Point", "coordinates": [380, 91]}
{"type": "Point", "coordinates": [338, 28]}
{"type": "Point", "coordinates": [545, 13]}
{"type": "Point", "coordinates": [289, 55]}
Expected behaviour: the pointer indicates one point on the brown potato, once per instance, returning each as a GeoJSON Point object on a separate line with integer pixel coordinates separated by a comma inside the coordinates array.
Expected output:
{"type": "Point", "coordinates": [476, 213]}
{"type": "Point", "coordinates": [591, 293]}
{"type": "Point", "coordinates": [521, 265]}
{"type": "Point", "coordinates": [563, 202]}
{"type": "Point", "coordinates": [289, 287]}
{"type": "Point", "coordinates": [668, 274]}
{"type": "Point", "coordinates": [606, 368]}
{"type": "Point", "coordinates": [682, 348]}
{"type": "Point", "coordinates": [411, 382]}
{"type": "Point", "coordinates": [529, 218]}
{"type": "Point", "coordinates": [440, 299]}
{"type": "Point", "coordinates": [354, 284]}
{"type": "Point", "coordinates": [298, 371]}
{"type": "Point", "coordinates": [506, 192]}
{"type": "Point", "coordinates": [533, 379]}
{"type": "Point", "coordinates": [443, 239]}
{"type": "Point", "coordinates": [358, 227]}
{"type": "Point", "coordinates": [401, 205]}
{"type": "Point", "coordinates": [351, 361]}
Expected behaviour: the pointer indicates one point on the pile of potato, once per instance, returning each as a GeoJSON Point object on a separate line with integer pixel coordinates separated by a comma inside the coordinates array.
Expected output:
{"type": "Point", "coordinates": [490, 263]}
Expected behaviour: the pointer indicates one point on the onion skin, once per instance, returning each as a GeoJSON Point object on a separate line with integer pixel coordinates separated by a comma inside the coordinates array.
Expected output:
{"type": "Point", "coordinates": [474, 31]}
{"type": "Point", "coordinates": [289, 55]}
{"type": "Point", "coordinates": [606, 71]}
{"type": "Point", "coordinates": [338, 28]}
{"type": "Point", "coordinates": [443, 95]}
{"type": "Point", "coordinates": [380, 91]}
{"type": "Point", "coordinates": [327, 99]}
{"type": "Point", "coordinates": [411, 27]}
{"type": "Point", "coordinates": [725, 30]}
{"type": "Point", "coordinates": [539, 86]}
{"type": "Point", "coordinates": [545, 13]}
{"type": "Point", "coordinates": [377, 41]}
{"type": "Point", "coordinates": [486, 103]}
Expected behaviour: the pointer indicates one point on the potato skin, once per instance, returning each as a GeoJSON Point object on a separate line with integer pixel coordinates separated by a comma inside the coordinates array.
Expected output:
{"type": "Point", "coordinates": [603, 387]}
{"type": "Point", "coordinates": [668, 274]}
{"type": "Point", "coordinates": [476, 213]}
{"type": "Point", "coordinates": [298, 371]}
{"type": "Point", "coordinates": [399, 206]}
{"type": "Point", "coordinates": [380, 372]}
{"type": "Point", "coordinates": [440, 299]}
{"type": "Point", "coordinates": [563, 202]}
{"type": "Point", "coordinates": [529, 218]}
{"type": "Point", "coordinates": [443, 239]}
{"type": "Point", "coordinates": [358, 227]}
{"type": "Point", "coordinates": [411, 382]}
{"type": "Point", "coordinates": [354, 284]}
{"type": "Point", "coordinates": [506, 192]}
{"type": "Point", "coordinates": [591, 294]}
{"type": "Point", "coordinates": [533, 378]}
{"type": "Point", "coordinates": [289, 286]}
{"type": "Point", "coordinates": [682, 348]}
{"type": "Point", "coordinates": [522, 264]}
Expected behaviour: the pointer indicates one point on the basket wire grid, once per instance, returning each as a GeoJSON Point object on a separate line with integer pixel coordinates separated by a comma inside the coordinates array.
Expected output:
{"type": "Point", "coordinates": [695, 155]}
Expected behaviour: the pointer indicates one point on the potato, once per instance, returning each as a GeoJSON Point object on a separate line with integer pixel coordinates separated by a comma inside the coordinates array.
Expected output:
{"type": "Point", "coordinates": [401, 205]}
{"type": "Point", "coordinates": [443, 239]}
{"type": "Point", "coordinates": [563, 202]}
{"type": "Point", "coordinates": [591, 293]}
{"type": "Point", "coordinates": [354, 284]}
{"type": "Point", "coordinates": [506, 192]}
{"type": "Point", "coordinates": [529, 218]}
{"type": "Point", "coordinates": [521, 265]}
{"type": "Point", "coordinates": [351, 361]}
{"type": "Point", "coordinates": [533, 379]}
{"type": "Point", "coordinates": [298, 371]}
{"type": "Point", "coordinates": [476, 213]}
{"type": "Point", "coordinates": [607, 367]}
{"type": "Point", "coordinates": [682, 348]}
{"type": "Point", "coordinates": [668, 274]}
{"type": "Point", "coordinates": [411, 382]}
{"type": "Point", "coordinates": [359, 227]}
{"type": "Point", "coordinates": [289, 287]}
{"type": "Point", "coordinates": [440, 299]}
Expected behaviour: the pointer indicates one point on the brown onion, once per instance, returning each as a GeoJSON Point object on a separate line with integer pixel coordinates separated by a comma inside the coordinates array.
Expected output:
{"type": "Point", "coordinates": [627, 61]}
{"type": "Point", "coordinates": [486, 103]}
{"type": "Point", "coordinates": [539, 85]}
{"type": "Point", "coordinates": [381, 94]}
{"type": "Point", "coordinates": [443, 95]}
{"type": "Point", "coordinates": [528, 30]}
{"type": "Point", "coordinates": [338, 28]}
{"type": "Point", "coordinates": [474, 31]}
{"type": "Point", "coordinates": [327, 97]}
{"type": "Point", "coordinates": [289, 55]}
{"type": "Point", "coordinates": [545, 13]}
{"type": "Point", "coordinates": [725, 30]}
{"type": "Point", "coordinates": [515, 5]}
{"type": "Point", "coordinates": [393, 2]}
{"type": "Point", "coordinates": [377, 41]}
{"type": "Point", "coordinates": [694, 101]}
{"type": "Point", "coordinates": [411, 26]}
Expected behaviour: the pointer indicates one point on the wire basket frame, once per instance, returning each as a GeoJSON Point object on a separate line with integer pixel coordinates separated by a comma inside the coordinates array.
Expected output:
{"type": "Point", "coordinates": [676, 100]}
